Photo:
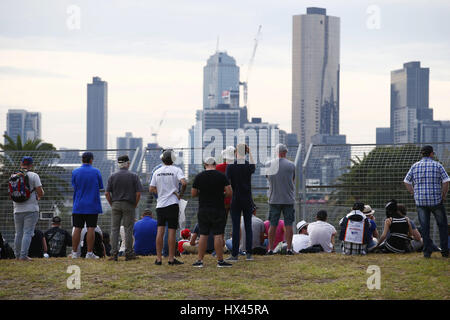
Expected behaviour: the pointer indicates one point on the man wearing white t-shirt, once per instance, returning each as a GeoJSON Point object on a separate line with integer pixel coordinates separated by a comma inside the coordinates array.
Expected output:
{"type": "Point", "coordinates": [165, 182]}
{"type": "Point", "coordinates": [321, 232]}
{"type": "Point", "coordinates": [300, 241]}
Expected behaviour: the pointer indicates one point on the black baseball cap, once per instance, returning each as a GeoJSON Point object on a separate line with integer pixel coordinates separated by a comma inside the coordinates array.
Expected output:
{"type": "Point", "coordinates": [56, 219]}
{"type": "Point", "coordinates": [123, 159]}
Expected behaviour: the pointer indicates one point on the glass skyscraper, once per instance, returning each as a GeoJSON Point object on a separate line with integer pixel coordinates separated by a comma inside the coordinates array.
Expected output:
{"type": "Point", "coordinates": [315, 74]}
{"type": "Point", "coordinates": [25, 124]}
{"type": "Point", "coordinates": [97, 114]}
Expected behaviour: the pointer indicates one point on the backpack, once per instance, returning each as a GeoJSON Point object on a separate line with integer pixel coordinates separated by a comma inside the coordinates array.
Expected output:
{"type": "Point", "coordinates": [55, 243]}
{"type": "Point", "coordinates": [98, 245]}
{"type": "Point", "coordinates": [19, 187]}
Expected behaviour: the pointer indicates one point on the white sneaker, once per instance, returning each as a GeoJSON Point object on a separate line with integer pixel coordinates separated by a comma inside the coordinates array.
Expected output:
{"type": "Point", "coordinates": [91, 255]}
{"type": "Point", "coordinates": [75, 255]}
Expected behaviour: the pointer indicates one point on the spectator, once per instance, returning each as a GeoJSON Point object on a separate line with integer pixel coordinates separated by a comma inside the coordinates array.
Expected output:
{"type": "Point", "coordinates": [300, 241]}
{"type": "Point", "coordinates": [165, 182]}
{"type": "Point", "coordinates": [399, 229]}
{"type": "Point", "coordinates": [373, 232]}
{"type": "Point", "coordinates": [192, 245]}
{"type": "Point", "coordinates": [107, 243]}
{"type": "Point", "coordinates": [428, 181]}
{"type": "Point", "coordinates": [228, 157]}
{"type": "Point", "coordinates": [38, 245]}
{"type": "Point", "coordinates": [355, 231]}
{"type": "Point", "coordinates": [258, 230]}
{"type": "Point", "coordinates": [145, 231]}
{"type": "Point", "coordinates": [321, 232]}
{"type": "Point", "coordinates": [87, 183]}
{"type": "Point", "coordinates": [26, 213]}
{"type": "Point", "coordinates": [281, 175]}
{"type": "Point", "coordinates": [416, 242]}
{"type": "Point", "coordinates": [185, 238]}
{"type": "Point", "coordinates": [123, 193]}
{"type": "Point", "coordinates": [83, 241]}
{"type": "Point", "coordinates": [210, 186]}
{"type": "Point", "coordinates": [279, 234]}
{"type": "Point", "coordinates": [6, 252]}
{"type": "Point", "coordinates": [57, 239]}
{"type": "Point", "coordinates": [239, 174]}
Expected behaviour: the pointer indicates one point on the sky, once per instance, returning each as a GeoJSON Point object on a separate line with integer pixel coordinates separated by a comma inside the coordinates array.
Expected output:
{"type": "Point", "coordinates": [152, 55]}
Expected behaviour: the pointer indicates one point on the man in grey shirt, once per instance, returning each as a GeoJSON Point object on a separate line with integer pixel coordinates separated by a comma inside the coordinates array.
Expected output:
{"type": "Point", "coordinates": [257, 233]}
{"type": "Point", "coordinates": [123, 194]}
{"type": "Point", "coordinates": [281, 174]}
{"type": "Point", "coordinates": [26, 214]}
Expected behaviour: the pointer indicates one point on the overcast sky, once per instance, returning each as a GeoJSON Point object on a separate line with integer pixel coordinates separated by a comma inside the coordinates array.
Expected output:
{"type": "Point", "coordinates": [152, 54]}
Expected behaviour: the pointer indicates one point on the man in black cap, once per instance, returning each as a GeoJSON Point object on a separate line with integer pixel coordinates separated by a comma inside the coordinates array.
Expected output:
{"type": "Point", "coordinates": [123, 193]}
{"type": "Point", "coordinates": [428, 182]}
{"type": "Point", "coordinates": [57, 239]}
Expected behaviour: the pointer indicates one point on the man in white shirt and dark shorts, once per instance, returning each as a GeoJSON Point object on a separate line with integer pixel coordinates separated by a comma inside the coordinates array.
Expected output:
{"type": "Point", "coordinates": [165, 182]}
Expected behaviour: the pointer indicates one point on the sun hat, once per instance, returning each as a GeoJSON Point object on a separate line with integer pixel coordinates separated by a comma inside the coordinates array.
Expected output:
{"type": "Point", "coordinates": [301, 225]}
{"type": "Point", "coordinates": [368, 210]}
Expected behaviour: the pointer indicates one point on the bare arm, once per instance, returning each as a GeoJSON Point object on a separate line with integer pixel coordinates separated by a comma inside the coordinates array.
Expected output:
{"type": "Point", "coordinates": [387, 224]}
{"type": "Point", "coordinates": [183, 188]}
{"type": "Point", "coordinates": [153, 190]}
{"type": "Point", "coordinates": [138, 197]}
{"type": "Point", "coordinates": [194, 192]}
{"type": "Point", "coordinates": [444, 190]}
{"type": "Point", "coordinates": [108, 197]}
{"type": "Point", "coordinates": [44, 244]}
{"type": "Point", "coordinates": [39, 192]}
{"type": "Point", "coordinates": [410, 188]}
{"type": "Point", "coordinates": [193, 238]}
{"type": "Point", "coordinates": [228, 191]}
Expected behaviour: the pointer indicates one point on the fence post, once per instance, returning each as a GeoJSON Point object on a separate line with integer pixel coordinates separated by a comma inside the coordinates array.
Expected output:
{"type": "Point", "coordinates": [305, 163]}
{"type": "Point", "coordinates": [298, 163]}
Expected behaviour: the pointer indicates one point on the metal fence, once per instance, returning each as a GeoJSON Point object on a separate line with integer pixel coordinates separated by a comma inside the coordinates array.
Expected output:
{"type": "Point", "coordinates": [330, 177]}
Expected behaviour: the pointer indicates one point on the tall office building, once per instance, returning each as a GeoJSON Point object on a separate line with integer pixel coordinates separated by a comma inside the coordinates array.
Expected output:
{"type": "Point", "coordinates": [25, 124]}
{"type": "Point", "coordinates": [97, 114]}
{"type": "Point", "coordinates": [220, 81]}
{"type": "Point", "coordinates": [315, 74]}
{"type": "Point", "coordinates": [409, 101]}
{"type": "Point", "coordinates": [130, 142]}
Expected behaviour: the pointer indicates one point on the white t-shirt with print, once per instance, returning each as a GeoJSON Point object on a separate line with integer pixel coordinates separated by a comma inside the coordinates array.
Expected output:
{"type": "Point", "coordinates": [31, 205]}
{"type": "Point", "coordinates": [320, 233]}
{"type": "Point", "coordinates": [166, 180]}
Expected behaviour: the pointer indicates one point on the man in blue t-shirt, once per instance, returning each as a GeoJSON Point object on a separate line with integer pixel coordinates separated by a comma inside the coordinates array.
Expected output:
{"type": "Point", "coordinates": [87, 183]}
{"type": "Point", "coordinates": [145, 234]}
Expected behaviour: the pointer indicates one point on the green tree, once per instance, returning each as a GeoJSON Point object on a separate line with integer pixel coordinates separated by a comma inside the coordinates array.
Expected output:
{"type": "Point", "coordinates": [377, 177]}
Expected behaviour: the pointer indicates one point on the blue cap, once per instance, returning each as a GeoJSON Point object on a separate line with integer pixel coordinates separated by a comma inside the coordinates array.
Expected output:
{"type": "Point", "coordinates": [87, 156]}
{"type": "Point", "coordinates": [27, 160]}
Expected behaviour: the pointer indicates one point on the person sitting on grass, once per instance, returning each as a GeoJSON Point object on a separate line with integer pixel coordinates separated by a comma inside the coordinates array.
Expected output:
{"type": "Point", "coordinates": [185, 238]}
{"type": "Point", "coordinates": [355, 231]}
{"type": "Point", "coordinates": [416, 243]}
{"type": "Point", "coordinates": [374, 236]}
{"type": "Point", "coordinates": [396, 232]}
{"type": "Point", "coordinates": [321, 232]}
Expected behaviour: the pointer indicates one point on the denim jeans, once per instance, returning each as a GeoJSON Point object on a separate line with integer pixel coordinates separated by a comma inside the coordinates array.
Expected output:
{"type": "Point", "coordinates": [229, 245]}
{"type": "Point", "coordinates": [25, 222]}
{"type": "Point", "coordinates": [236, 223]}
{"type": "Point", "coordinates": [424, 214]}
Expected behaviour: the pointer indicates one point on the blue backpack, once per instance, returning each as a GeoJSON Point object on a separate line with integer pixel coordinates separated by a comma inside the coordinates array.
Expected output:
{"type": "Point", "coordinates": [19, 187]}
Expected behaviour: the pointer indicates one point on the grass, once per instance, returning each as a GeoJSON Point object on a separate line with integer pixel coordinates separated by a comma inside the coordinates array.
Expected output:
{"type": "Point", "coordinates": [305, 276]}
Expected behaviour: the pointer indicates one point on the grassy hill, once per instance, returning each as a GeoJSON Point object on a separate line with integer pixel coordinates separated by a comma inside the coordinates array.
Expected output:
{"type": "Point", "coordinates": [313, 276]}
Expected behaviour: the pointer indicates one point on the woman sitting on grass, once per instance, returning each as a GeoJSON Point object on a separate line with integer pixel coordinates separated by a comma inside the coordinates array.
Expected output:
{"type": "Point", "coordinates": [397, 231]}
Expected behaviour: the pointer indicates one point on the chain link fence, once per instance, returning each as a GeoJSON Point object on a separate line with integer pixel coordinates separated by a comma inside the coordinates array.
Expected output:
{"type": "Point", "coordinates": [330, 177]}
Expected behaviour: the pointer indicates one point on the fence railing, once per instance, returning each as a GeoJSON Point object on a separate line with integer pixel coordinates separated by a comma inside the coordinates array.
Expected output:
{"type": "Point", "coordinates": [330, 177]}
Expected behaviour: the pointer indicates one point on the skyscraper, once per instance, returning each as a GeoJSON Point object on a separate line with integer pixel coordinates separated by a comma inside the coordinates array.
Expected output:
{"type": "Point", "coordinates": [97, 114]}
{"type": "Point", "coordinates": [130, 142]}
{"type": "Point", "coordinates": [220, 81]}
{"type": "Point", "coordinates": [25, 124]}
{"type": "Point", "coordinates": [315, 74]}
{"type": "Point", "coordinates": [409, 101]}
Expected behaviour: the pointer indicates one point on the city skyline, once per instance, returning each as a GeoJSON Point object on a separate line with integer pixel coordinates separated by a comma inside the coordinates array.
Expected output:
{"type": "Point", "coordinates": [46, 67]}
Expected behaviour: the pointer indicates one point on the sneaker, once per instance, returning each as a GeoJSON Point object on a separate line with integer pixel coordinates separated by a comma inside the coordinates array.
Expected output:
{"type": "Point", "coordinates": [269, 253]}
{"type": "Point", "coordinates": [158, 263]}
{"type": "Point", "coordinates": [223, 264]}
{"type": "Point", "coordinates": [114, 257]}
{"type": "Point", "coordinates": [91, 255]}
{"type": "Point", "coordinates": [198, 264]}
{"type": "Point", "coordinates": [75, 255]}
{"type": "Point", "coordinates": [249, 257]}
{"type": "Point", "coordinates": [232, 258]}
{"type": "Point", "coordinates": [175, 262]}
{"type": "Point", "coordinates": [131, 257]}
{"type": "Point", "coordinates": [289, 253]}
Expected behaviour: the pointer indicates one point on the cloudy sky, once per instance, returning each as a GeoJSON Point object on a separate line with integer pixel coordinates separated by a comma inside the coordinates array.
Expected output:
{"type": "Point", "coordinates": [152, 54]}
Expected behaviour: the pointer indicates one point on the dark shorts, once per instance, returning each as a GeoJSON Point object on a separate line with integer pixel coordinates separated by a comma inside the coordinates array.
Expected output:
{"type": "Point", "coordinates": [168, 214]}
{"type": "Point", "coordinates": [211, 220]}
{"type": "Point", "coordinates": [275, 213]}
{"type": "Point", "coordinates": [78, 220]}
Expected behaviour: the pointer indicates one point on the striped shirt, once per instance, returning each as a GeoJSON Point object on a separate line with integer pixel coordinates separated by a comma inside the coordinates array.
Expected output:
{"type": "Point", "coordinates": [427, 177]}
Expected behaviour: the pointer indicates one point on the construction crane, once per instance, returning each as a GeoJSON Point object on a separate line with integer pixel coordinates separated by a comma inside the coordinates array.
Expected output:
{"type": "Point", "coordinates": [250, 65]}
{"type": "Point", "coordinates": [155, 133]}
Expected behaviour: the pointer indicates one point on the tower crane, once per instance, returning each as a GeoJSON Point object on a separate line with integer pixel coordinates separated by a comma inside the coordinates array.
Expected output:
{"type": "Point", "coordinates": [250, 65]}
{"type": "Point", "coordinates": [155, 133]}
